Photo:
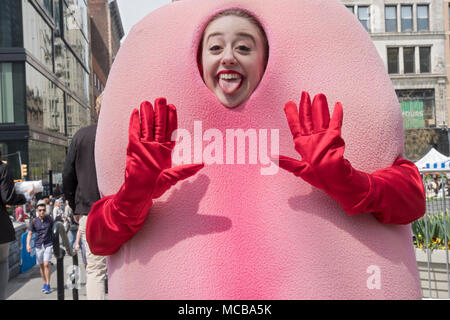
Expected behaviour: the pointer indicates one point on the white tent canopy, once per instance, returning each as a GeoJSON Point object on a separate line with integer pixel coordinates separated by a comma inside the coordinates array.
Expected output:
{"type": "Point", "coordinates": [433, 159]}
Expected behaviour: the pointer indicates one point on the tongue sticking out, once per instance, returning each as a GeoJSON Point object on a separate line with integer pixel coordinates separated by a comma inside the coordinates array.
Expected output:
{"type": "Point", "coordinates": [230, 85]}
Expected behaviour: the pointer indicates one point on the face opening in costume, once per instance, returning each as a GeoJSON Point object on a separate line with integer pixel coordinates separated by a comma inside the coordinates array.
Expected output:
{"type": "Point", "coordinates": [233, 56]}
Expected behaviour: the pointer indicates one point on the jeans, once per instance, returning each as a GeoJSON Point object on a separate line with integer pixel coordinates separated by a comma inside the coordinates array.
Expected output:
{"type": "Point", "coordinates": [73, 233]}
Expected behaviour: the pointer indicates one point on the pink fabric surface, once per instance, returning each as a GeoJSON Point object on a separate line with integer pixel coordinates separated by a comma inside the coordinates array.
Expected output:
{"type": "Point", "coordinates": [230, 232]}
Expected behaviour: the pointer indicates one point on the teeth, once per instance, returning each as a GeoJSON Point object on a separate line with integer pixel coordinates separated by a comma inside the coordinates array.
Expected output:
{"type": "Point", "coordinates": [229, 76]}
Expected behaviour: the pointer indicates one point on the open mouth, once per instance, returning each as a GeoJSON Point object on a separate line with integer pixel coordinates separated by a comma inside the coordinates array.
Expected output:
{"type": "Point", "coordinates": [229, 81]}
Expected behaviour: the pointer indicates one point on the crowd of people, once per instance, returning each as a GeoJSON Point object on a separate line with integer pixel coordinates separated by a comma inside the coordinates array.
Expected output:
{"type": "Point", "coordinates": [40, 214]}
{"type": "Point", "coordinates": [50, 209]}
{"type": "Point", "coordinates": [434, 186]}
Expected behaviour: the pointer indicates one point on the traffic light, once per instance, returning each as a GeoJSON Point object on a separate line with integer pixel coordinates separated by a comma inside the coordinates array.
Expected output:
{"type": "Point", "coordinates": [24, 170]}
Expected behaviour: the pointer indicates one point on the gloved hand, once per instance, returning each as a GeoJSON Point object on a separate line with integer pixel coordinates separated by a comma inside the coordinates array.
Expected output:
{"type": "Point", "coordinates": [394, 195]}
{"type": "Point", "coordinates": [113, 220]}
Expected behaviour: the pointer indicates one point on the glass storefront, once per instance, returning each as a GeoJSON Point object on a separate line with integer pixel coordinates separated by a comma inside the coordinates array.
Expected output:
{"type": "Point", "coordinates": [14, 153]}
{"type": "Point", "coordinates": [45, 102]}
{"type": "Point", "coordinates": [44, 157]}
{"type": "Point", "coordinates": [38, 36]}
{"type": "Point", "coordinates": [12, 94]}
{"type": "Point", "coordinates": [10, 24]}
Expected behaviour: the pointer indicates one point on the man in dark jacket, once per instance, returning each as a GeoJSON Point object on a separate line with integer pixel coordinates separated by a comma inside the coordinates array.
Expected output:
{"type": "Point", "coordinates": [8, 196]}
{"type": "Point", "coordinates": [81, 190]}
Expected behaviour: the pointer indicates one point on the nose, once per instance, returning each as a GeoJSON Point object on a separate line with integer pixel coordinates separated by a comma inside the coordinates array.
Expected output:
{"type": "Point", "coordinates": [228, 58]}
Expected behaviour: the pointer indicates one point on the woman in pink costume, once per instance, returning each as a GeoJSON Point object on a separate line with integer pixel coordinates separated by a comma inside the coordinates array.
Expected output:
{"type": "Point", "coordinates": [231, 231]}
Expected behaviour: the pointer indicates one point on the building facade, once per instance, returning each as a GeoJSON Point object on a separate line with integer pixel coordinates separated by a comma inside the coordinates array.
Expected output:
{"type": "Point", "coordinates": [106, 33]}
{"type": "Point", "coordinates": [44, 83]}
{"type": "Point", "coordinates": [410, 37]}
{"type": "Point", "coordinates": [54, 61]}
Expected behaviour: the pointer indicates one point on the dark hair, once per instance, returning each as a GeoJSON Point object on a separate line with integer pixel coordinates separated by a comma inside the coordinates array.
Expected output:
{"type": "Point", "coordinates": [238, 13]}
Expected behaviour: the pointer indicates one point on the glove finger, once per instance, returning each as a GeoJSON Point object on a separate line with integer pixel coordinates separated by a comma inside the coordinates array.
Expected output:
{"type": "Point", "coordinates": [146, 121]}
{"type": "Point", "coordinates": [290, 109]}
{"type": "Point", "coordinates": [172, 122]}
{"type": "Point", "coordinates": [160, 120]}
{"type": "Point", "coordinates": [292, 165]}
{"type": "Point", "coordinates": [306, 124]}
{"type": "Point", "coordinates": [320, 113]}
{"type": "Point", "coordinates": [336, 118]}
{"type": "Point", "coordinates": [170, 177]}
{"type": "Point", "coordinates": [134, 129]}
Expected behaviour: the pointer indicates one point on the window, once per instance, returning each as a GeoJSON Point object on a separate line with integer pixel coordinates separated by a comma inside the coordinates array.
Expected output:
{"type": "Point", "coordinates": [418, 108]}
{"type": "Point", "coordinates": [364, 17]}
{"type": "Point", "coordinates": [407, 18]}
{"type": "Point", "coordinates": [351, 8]}
{"type": "Point", "coordinates": [37, 35]}
{"type": "Point", "coordinates": [45, 102]}
{"type": "Point", "coordinates": [422, 18]}
{"type": "Point", "coordinates": [408, 60]}
{"type": "Point", "coordinates": [392, 60]}
{"type": "Point", "coordinates": [425, 59]}
{"type": "Point", "coordinates": [10, 23]}
{"type": "Point", "coordinates": [12, 93]}
{"type": "Point", "coordinates": [47, 5]}
{"type": "Point", "coordinates": [78, 113]}
{"type": "Point", "coordinates": [7, 96]}
{"type": "Point", "coordinates": [391, 18]}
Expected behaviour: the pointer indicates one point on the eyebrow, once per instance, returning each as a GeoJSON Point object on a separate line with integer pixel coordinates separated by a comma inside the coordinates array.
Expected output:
{"type": "Point", "coordinates": [241, 34]}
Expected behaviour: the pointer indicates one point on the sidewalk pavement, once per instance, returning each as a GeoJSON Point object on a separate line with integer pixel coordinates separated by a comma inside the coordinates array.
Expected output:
{"type": "Point", "coordinates": [28, 285]}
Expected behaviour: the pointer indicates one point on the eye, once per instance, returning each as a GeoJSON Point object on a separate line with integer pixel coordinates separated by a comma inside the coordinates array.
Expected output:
{"type": "Point", "coordinates": [244, 48]}
{"type": "Point", "coordinates": [214, 48]}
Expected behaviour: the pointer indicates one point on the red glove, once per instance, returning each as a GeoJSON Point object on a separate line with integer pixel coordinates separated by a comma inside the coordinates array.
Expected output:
{"type": "Point", "coordinates": [393, 195]}
{"type": "Point", "coordinates": [114, 220]}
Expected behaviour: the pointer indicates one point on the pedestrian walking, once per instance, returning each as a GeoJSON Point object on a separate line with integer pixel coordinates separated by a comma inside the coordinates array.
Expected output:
{"type": "Point", "coordinates": [8, 196]}
{"type": "Point", "coordinates": [81, 190]}
{"type": "Point", "coordinates": [73, 225]}
{"type": "Point", "coordinates": [58, 211]}
{"type": "Point", "coordinates": [42, 225]}
{"type": "Point", "coordinates": [20, 214]}
{"type": "Point", "coordinates": [80, 245]}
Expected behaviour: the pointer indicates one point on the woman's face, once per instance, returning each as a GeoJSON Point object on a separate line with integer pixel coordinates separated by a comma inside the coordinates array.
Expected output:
{"type": "Point", "coordinates": [232, 59]}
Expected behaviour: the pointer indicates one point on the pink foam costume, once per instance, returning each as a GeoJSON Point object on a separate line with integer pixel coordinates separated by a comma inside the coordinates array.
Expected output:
{"type": "Point", "coordinates": [230, 232]}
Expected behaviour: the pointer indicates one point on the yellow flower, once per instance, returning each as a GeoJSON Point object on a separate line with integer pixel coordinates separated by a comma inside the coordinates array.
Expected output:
{"type": "Point", "coordinates": [420, 236]}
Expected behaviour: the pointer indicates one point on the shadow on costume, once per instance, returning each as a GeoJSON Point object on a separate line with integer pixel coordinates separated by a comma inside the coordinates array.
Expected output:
{"type": "Point", "coordinates": [165, 227]}
{"type": "Point", "coordinates": [354, 226]}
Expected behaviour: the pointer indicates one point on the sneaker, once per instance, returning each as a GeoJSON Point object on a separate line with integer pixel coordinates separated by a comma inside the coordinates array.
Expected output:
{"type": "Point", "coordinates": [43, 287]}
{"type": "Point", "coordinates": [47, 288]}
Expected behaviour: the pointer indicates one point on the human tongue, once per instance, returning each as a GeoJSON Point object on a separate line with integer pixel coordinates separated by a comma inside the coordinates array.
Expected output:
{"type": "Point", "coordinates": [229, 85]}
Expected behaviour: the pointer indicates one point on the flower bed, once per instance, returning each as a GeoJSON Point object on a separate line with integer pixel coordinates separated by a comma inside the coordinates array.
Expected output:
{"type": "Point", "coordinates": [431, 254]}
{"type": "Point", "coordinates": [435, 225]}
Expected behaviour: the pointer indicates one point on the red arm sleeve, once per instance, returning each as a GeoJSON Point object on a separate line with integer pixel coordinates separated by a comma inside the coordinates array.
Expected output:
{"type": "Point", "coordinates": [108, 228]}
{"type": "Point", "coordinates": [396, 195]}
